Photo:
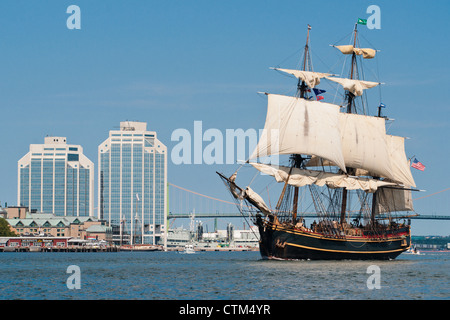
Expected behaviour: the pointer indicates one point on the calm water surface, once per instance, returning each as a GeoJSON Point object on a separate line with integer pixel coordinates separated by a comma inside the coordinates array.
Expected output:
{"type": "Point", "coordinates": [218, 275]}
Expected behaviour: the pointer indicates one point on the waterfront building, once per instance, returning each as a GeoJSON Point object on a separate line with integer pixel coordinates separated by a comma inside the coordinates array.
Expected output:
{"type": "Point", "coordinates": [47, 224]}
{"type": "Point", "coordinates": [17, 243]}
{"type": "Point", "coordinates": [56, 177]}
{"type": "Point", "coordinates": [132, 183]}
{"type": "Point", "coordinates": [15, 212]}
{"type": "Point", "coordinates": [229, 238]}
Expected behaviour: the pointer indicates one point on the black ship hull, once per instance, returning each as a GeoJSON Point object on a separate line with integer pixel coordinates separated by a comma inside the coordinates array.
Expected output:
{"type": "Point", "coordinates": [280, 243]}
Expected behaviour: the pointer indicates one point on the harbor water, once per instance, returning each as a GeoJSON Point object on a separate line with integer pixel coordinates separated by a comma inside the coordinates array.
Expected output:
{"type": "Point", "coordinates": [218, 276]}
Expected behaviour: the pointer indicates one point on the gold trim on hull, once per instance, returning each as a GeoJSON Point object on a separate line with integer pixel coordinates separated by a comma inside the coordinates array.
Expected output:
{"type": "Point", "coordinates": [344, 251]}
{"type": "Point", "coordinates": [354, 239]}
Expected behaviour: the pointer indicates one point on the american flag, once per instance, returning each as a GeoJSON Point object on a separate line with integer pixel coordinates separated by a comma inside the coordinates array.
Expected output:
{"type": "Point", "coordinates": [418, 165]}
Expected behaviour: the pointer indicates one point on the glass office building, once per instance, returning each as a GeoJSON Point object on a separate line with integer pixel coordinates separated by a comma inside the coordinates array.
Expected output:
{"type": "Point", "coordinates": [132, 183]}
{"type": "Point", "coordinates": [58, 178]}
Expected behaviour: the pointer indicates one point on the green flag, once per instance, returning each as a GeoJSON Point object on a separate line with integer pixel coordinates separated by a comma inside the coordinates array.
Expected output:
{"type": "Point", "coordinates": [362, 21]}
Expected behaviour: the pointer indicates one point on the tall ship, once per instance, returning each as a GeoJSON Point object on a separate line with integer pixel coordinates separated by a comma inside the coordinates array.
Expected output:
{"type": "Point", "coordinates": [339, 158]}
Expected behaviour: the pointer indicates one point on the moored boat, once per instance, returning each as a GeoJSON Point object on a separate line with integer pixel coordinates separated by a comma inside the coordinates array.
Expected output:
{"type": "Point", "coordinates": [140, 247]}
{"type": "Point", "coordinates": [189, 249]}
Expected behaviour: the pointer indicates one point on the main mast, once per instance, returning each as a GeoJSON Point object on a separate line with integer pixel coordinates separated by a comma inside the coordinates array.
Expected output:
{"type": "Point", "coordinates": [350, 98]}
{"type": "Point", "coordinates": [302, 88]}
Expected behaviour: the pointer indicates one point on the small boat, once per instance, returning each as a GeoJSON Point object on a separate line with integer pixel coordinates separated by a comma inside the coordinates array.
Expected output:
{"type": "Point", "coordinates": [140, 247]}
{"type": "Point", "coordinates": [35, 248]}
{"type": "Point", "coordinates": [413, 250]}
{"type": "Point", "coordinates": [189, 248]}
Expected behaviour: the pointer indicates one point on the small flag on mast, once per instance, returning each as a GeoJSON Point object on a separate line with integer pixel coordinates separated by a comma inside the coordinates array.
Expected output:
{"type": "Point", "coordinates": [137, 197]}
{"type": "Point", "coordinates": [382, 105]}
{"type": "Point", "coordinates": [362, 21]}
{"type": "Point", "coordinates": [318, 93]}
{"type": "Point", "coordinates": [418, 165]}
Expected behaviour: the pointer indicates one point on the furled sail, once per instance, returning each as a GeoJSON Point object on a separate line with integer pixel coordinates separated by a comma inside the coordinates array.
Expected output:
{"type": "Point", "coordinates": [298, 126]}
{"type": "Point", "coordinates": [256, 200]}
{"type": "Point", "coordinates": [236, 192]}
{"type": "Point", "coordinates": [301, 177]}
{"type": "Point", "coordinates": [394, 199]}
{"type": "Point", "coordinates": [247, 194]}
{"type": "Point", "coordinates": [354, 86]}
{"type": "Point", "coordinates": [318, 162]}
{"type": "Point", "coordinates": [367, 53]}
{"type": "Point", "coordinates": [311, 78]}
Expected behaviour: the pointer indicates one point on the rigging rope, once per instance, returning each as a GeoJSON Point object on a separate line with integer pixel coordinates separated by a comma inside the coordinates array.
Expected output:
{"type": "Point", "coordinates": [228, 202]}
{"type": "Point", "coordinates": [199, 194]}
{"type": "Point", "coordinates": [431, 194]}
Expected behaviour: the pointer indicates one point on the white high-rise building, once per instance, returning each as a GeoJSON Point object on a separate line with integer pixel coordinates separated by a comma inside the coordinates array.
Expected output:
{"type": "Point", "coordinates": [56, 177]}
{"type": "Point", "coordinates": [132, 183]}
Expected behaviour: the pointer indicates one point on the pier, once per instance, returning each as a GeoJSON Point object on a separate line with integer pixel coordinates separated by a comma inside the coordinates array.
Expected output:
{"type": "Point", "coordinates": [218, 249]}
{"type": "Point", "coordinates": [117, 249]}
{"type": "Point", "coordinates": [61, 249]}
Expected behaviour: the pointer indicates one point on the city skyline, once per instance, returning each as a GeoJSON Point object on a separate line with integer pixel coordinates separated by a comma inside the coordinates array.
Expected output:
{"type": "Point", "coordinates": [172, 64]}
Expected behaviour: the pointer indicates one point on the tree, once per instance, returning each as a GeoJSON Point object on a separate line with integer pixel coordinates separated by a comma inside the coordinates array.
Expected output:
{"type": "Point", "coordinates": [5, 231]}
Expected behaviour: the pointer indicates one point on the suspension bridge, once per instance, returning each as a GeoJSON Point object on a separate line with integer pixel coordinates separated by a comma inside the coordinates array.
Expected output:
{"type": "Point", "coordinates": [184, 203]}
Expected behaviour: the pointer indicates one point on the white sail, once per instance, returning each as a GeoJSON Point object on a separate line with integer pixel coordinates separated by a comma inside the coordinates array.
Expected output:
{"type": "Point", "coordinates": [401, 169]}
{"type": "Point", "coordinates": [367, 53]}
{"type": "Point", "coordinates": [299, 126]}
{"type": "Point", "coordinates": [364, 144]}
{"type": "Point", "coordinates": [393, 199]}
{"type": "Point", "coordinates": [311, 78]}
{"type": "Point", "coordinates": [354, 86]}
{"type": "Point", "coordinates": [256, 199]}
{"type": "Point", "coordinates": [301, 177]}
{"type": "Point", "coordinates": [370, 151]}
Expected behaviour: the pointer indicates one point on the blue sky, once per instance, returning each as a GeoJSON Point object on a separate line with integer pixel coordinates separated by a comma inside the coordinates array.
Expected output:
{"type": "Point", "coordinates": [169, 63]}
